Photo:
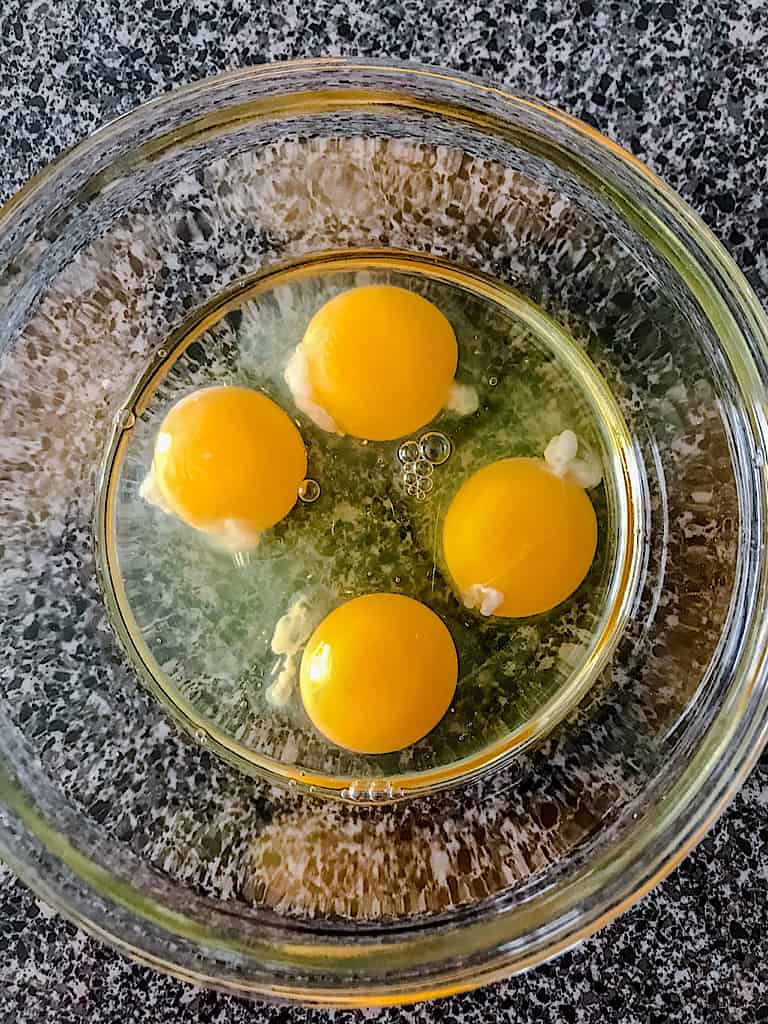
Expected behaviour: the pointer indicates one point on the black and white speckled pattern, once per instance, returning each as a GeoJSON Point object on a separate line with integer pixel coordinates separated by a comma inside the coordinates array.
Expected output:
{"type": "Point", "coordinates": [681, 85]}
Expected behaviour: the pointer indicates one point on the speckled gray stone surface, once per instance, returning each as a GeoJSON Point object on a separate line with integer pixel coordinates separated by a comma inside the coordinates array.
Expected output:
{"type": "Point", "coordinates": [684, 87]}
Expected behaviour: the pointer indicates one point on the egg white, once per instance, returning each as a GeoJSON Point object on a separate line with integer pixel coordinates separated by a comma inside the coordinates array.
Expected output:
{"type": "Point", "coordinates": [291, 633]}
{"type": "Point", "coordinates": [296, 376]}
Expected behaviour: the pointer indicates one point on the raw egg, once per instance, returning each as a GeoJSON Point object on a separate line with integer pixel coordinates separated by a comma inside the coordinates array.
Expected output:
{"type": "Point", "coordinates": [378, 673]}
{"type": "Point", "coordinates": [229, 462]}
{"type": "Point", "coordinates": [377, 362]}
{"type": "Point", "coordinates": [518, 538]}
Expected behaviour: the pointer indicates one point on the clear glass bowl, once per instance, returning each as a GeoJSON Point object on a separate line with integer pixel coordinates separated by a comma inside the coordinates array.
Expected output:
{"type": "Point", "coordinates": [141, 833]}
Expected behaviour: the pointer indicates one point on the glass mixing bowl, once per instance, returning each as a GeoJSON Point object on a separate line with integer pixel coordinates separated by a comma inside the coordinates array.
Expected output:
{"type": "Point", "coordinates": [137, 830]}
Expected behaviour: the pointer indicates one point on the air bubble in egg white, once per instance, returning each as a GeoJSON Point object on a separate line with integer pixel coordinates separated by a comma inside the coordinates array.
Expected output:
{"type": "Point", "coordinates": [408, 451]}
{"type": "Point", "coordinates": [435, 447]}
{"type": "Point", "coordinates": [309, 491]}
{"type": "Point", "coordinates": [423, 468]}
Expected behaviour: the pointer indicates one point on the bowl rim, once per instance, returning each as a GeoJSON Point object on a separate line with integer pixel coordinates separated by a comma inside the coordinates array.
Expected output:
{"type": "Point", "coordinates": [488, 949]}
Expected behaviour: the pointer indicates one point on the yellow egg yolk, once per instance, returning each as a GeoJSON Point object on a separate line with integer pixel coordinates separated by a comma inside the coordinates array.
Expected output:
{"type": "Point", "coordinates": [518, 539]}
{"type": "Point", "coordinates": [378, 673]}
{"type": "Point", "coordinates": [227, 461]}
{"type": "Point", "coordinates": [379, 361]}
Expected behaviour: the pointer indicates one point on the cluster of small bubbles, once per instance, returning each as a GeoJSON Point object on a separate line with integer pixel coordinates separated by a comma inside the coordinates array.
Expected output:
{"type": "Point", "coordinates": [380, 792]}
{"type": "Point", "coordinates": [309, 491]}
{"type": "Point", "coordinates": [419, 459]}
{"type": "Point", "coordinates": [355, 791]}
{"type": "Point", "coordinates": [373, 791]}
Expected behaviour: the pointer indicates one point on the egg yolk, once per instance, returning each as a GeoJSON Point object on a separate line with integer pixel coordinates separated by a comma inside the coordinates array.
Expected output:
{"type": "Point", "coordinates": [378, 673]}
{"type": "Point", "coordinates": [518, 539]}
{"type": "Point", "coordinates": [380, 361]}
{"type": "Point", "coordinates": [227, 461]}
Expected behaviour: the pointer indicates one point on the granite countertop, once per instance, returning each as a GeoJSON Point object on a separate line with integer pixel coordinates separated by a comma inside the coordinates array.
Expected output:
{"type": "Point", "coordinates": [684, 86]}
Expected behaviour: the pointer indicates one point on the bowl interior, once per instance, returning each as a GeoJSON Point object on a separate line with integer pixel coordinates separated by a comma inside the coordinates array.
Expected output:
{"type": "Point", "coordinates": [198, 622]}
